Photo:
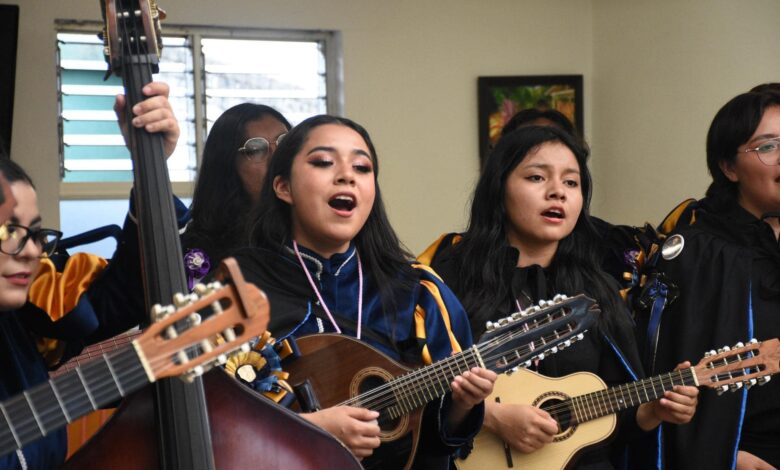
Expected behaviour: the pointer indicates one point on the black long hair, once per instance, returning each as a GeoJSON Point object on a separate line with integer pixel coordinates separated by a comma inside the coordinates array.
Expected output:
{"type": "Point", "coordinates": [528, 116]}
{"type": "Point", "coordinates": [220, 202]}
{"type": "Point", "coordinates": [732, 126]}
{"type": "Point", "coordinates": [481, 254]}
{"type": "Point", "coordinates": [381, 252]}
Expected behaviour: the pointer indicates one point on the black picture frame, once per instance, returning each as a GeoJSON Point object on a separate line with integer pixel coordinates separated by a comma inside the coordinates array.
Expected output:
{"type": "Point", "coordinates": [499, 98]}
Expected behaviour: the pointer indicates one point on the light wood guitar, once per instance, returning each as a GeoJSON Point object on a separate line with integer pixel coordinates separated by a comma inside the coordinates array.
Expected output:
{"type": "Point", "coordinates": [196, 333]}
{"type": "Point", "coordinates": [585, 408]}
{"type": "Point", "coordinates": [341, 370]}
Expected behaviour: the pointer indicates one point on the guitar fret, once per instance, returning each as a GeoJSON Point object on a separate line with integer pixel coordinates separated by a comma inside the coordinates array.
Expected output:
{"type": "Point", "coordinates": [113, 375]}
{"type": "Point", "coordinates": [86, 389]}
{"type": "Point", "coordinates": [587, 409]}
{"type": "Point", "coordinates": [34, 412]}
{"type": "Point", "coordinates": [59, 401]}
{"type": "Point", "coordinates": [10, 426]}
{"type": "Point", "coordinates": [654, 388]}
{"type": "Point", "coordinates": [573, 406]}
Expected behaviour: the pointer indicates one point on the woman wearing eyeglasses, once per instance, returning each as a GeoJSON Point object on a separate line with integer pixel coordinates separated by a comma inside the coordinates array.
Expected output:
{"type": "Point", "coordinates": [726, 265]}
{"type": "Point", "coordinates": [235, 160]}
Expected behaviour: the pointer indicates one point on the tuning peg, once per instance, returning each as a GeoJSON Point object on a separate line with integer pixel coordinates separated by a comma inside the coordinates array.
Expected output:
{"type": "Point", "coordinates": [553, 349]}
{"type": "Point", "coordinates": [179, 299]}
{"type": "Point", "coordinates": [726, 348]}
{"type": "Point", "coordinates": [206, 346]}
{"type": "Point", "coordinates": [200, 289]}
{"type": "Point", "coordinates": [722, 389]}
{"type": "Point", "coordinates": [764, 379]}
{"type": "Point", "coordinates": [540, 356]}
{"type": "Point", "coordinates": [739, 345]}
{"type": "Point", "coordinates": [194, 319]}
{"type": "Point", "coordinates": [750, 383]}
{"type": "Point", "coordinates": [527, 363]}
{"type": "Point", "coordinates": [580, 336]}
{"type": "Point", "coordinates": [159, 312]}
{"type": "Point", "coordinates": [735, 386]}
{"type": "Point", "coordinates": [565, 344]}
{"type": "Point", "coordinates": [512, 370]}
{"type": "Point", "coordinates": [712, 352]}
{"type": "Point", "coordinates": [221, 359]}
{"type": "Point", "coordinates": [516, 315]}
{"type": "Point", "coordinates": [245, 348]}
{"type": "Point", "coordinates": [229, 334]}
{"type": "Point", "coordinates": [753, 341]}
{"type": "Point", "coordinates": [489, 326]}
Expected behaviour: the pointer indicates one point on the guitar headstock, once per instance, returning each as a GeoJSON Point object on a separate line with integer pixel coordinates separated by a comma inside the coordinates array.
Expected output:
{"type": "Point", "coordinates": [731, 368]}
{"type": "Point", "coordinates": [203, 327]}
{"type": "Point", "coordinates": [537, 331]}
{"type": "Point", "coordinates": [131, 30]}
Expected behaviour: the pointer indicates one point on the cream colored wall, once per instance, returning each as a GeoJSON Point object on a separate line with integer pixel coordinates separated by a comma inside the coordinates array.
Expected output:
{"type": "Point", "coordinates": [662, 70]}
{"type": "Point", "coordinates": [655, 73]}
{"type": "Point", "coordinates": [410, 72]}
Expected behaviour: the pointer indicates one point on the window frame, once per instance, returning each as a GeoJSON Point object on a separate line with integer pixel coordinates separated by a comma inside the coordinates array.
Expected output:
{"type": "Point", "coordinates": [334, 79]}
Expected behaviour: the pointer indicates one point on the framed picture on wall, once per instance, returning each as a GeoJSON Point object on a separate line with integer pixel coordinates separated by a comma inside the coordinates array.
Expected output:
{"type": "Point", "coordinates": [500, 98]}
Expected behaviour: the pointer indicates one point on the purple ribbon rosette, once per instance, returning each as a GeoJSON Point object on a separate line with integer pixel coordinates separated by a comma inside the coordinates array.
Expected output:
{"type": "Point", "coordinates": [197, 265]}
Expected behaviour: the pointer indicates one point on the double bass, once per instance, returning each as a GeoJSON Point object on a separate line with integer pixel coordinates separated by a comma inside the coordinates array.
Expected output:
{"type": "Point", "coordinates": [171, 425]}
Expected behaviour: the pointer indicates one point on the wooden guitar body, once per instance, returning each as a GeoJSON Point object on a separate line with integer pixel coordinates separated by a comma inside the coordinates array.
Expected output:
{"type": "Point", "coordinates": [339, 368]}
{"type": "Point", "coordinates": [247, 429]}
{"type": "Point", "coordinates": [528, 387]}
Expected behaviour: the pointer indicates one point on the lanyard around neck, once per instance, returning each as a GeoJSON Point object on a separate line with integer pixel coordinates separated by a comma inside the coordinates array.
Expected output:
{"type": "Point", "coordinates": [322, 301]}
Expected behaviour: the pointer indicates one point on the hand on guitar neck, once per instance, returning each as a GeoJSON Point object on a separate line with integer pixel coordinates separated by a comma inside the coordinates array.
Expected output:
{"type": "Point", "coordinates": [153, 114]}
{"type": "Point", "coordinates": [677, 406]}
{"type": "Point", "coordinates": [358, 428]}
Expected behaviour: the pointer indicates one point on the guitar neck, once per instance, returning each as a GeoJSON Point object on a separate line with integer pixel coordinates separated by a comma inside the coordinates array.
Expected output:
{"type": "Point", "coordinates": [605, 402]}
{"type": "Point", "coordinates": [51, 405]}
{"type": "Point", "coordinates": [415, 389]}
{"type": "Point", "coordinates": [95, 351]}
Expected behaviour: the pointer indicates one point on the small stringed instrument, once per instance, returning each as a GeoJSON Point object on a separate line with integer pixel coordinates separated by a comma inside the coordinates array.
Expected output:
{"type": "Point", "coordinates": [341, 370]}
{"type": "Point", "coordinates": [585, 408]}
{"type": "Point", "coordinates": [207, 325]}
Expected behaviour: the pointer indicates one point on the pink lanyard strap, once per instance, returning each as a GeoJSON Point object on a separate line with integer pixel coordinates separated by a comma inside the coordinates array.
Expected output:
{"type": "Point", "coordinates": [322, 301]}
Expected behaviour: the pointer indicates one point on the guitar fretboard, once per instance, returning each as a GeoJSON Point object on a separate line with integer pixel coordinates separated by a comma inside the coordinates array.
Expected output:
{"type": "Point", "coordinates": [51, 405]}
{"type": "Point", "coordinates": [605, 402]}
{"type": "Point", "coordinates": [421, 386]}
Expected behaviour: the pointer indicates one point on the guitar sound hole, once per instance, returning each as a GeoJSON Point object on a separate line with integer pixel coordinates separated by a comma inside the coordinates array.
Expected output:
{"type": "Point", "coordinates": [371, 382]}
{"type": "Point", "coordinates": [560, 411]}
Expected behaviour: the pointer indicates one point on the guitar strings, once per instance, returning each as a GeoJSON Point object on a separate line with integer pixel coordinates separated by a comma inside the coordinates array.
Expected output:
{"type": "Point", "coordinates": [423, 385]}
{"type": "Point", "coordinates": [96, 351]}
{"type": "Point", "coordinates": [600, 400]}
{"type": "Point", "coordinates": [129, 375]}
{"type": "Point", "coordinates": [386, 395]}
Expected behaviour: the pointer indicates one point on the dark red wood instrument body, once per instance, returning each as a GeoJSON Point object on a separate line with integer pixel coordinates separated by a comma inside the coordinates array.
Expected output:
{"type": "Point", "coordinates": [339, 368]}
{"type": "Point", "coordinates": [248, 432]}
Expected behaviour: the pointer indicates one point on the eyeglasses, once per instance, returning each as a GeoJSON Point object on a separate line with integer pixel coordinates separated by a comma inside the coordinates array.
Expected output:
{"type": "Point", "coordinates": [768, 152]}
{"type": "Point", "coordinates": [18, 235]}
{"type": "Point", "coordinates": [258, 148]}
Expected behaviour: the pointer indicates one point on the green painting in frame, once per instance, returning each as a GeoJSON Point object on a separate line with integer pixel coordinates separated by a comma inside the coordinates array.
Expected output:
{"type": "Point", "coordinates": [500, 98]}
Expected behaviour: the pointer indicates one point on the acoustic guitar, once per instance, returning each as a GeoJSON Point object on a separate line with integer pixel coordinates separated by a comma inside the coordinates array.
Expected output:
{"type": "Point", "coordinates": [341, 370]}
{"type": "Point", "coordinates": [585, 408]}
{"type": "Point", "coordinates": [190, 337]}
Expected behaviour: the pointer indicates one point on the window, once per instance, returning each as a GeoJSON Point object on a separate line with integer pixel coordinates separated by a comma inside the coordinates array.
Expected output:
{"type": "Point", "coordinates": [209, 70]}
